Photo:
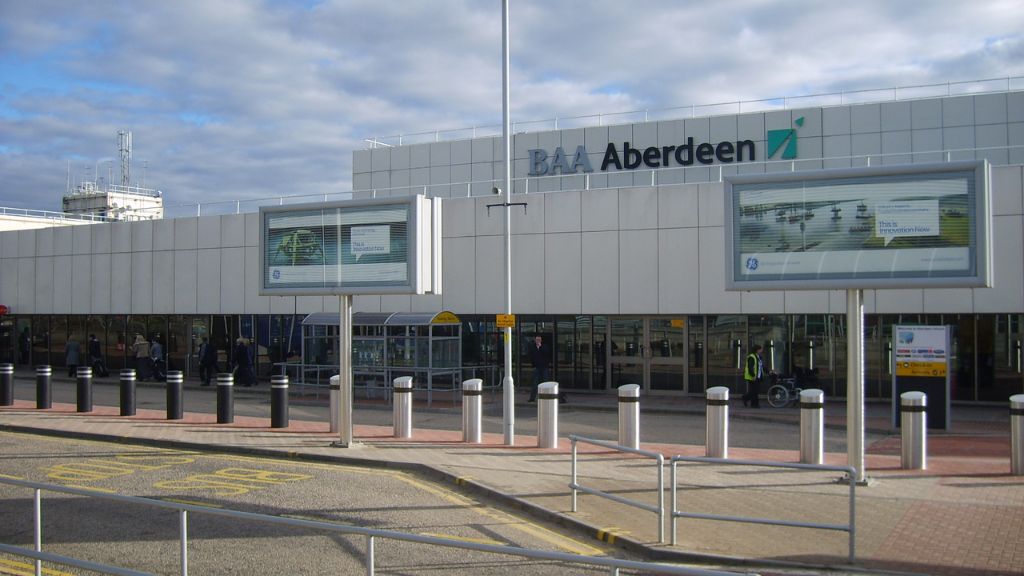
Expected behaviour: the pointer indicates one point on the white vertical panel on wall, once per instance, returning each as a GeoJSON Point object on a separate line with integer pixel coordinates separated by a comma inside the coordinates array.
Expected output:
{"type": "Point", "coordinates": [713, 297]}
{"type": "Point", "coordinates": [100, 283]}
{"type": "Point", "coordinates": [142, 236]}
{"type": "Point", "coordinates": [426, 303]}
{"type": "Point", "coordinates": [599, 293]}
{"type": "Point", "coordinates": [163, 235]}
{"type": "Point", "coordinates": [1007, 292]}
{"type": "Point", "coordinates": [186, 231]}
{"type": "Point", "coordinates": [62, 284]}
{"type": "Point", "coordinates": [232, 279]}
{"type": "Point", "coordinates": [459, 275]}
{"type": "Point", "coordinates": [120, 286]}
{"type": "Point", "coordinates": [638, 272]}
{"type": "Point", "coordinates": [254, 303]}
{"type": "Point", "coordinates": [121, 237]}
{"type": "Point", "coordinates": [9, 244]}
{"type": "Point", "coordinates": [44, 285]}
{"type": "Point", "coordinates": [232, 229]}
{"type": "Point", "coordinates": [9, 282]}
{"type": "Point", "coordinates": [163, 282]}
{"type": "Point", "coordinates": [26, 303]}
{"type": "Point", "coordinates": [185, 281]}
{"type": "Point", "coordinates": [82, 239]}
{"type": "Point", "coordinates": [81, 284]}
{"type": "Point", "coordinates": [563, 265]}
{"type": "Point", "coordinates": [490, 275]}
{"type": "Point", "coordinates": [395, 303]}
{"type": "Point", "coordinates": [101, 238]}
{"type": "Point", "coordinates": [62, 241]}
{"type": "Point", "coordinates": [27, 243]}
{"type": "Point", "coordinates": [142, 282]}
{"type": "Point", "coordinates": [44, 242]}
{"type": "Point", "coordinates": [528, 274]}
{"type": "Point", "coordinates": [208, 232]}
{"type": "Point", "coordinates": [678, 275]}
{"type": "Point", "coordinates": [208, 294]}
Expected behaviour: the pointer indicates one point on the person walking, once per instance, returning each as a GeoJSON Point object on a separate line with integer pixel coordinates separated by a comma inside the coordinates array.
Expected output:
{"type": "Point", "coordinates": [72, 356]}
{"type": "Point", "coordinates": [156, 355]}
{"type": "Point", "coordinates": [753, 374]}
{"type": "Point", "coordinates": [140, 350]}
{"type": "Point", "coordinates": [99, 367]}
{"type": "Point", "coordinates": [207, 361]}
{"type": "Point", "coordinates": [540, 357]}
{"type": "Point", "coordinates": [244, 373]}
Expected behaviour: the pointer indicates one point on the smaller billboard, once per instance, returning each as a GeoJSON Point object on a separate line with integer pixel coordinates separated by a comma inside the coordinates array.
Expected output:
{"type": "Point", "coordinates": [355, 247]}
{"type": "Point", "coordinates": [910, 226]}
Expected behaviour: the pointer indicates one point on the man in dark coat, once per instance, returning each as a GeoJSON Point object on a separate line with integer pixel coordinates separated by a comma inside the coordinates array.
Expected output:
{"type": "Point", "coordinates": [207, 361]}
{"type": "Point", "coordinates": [540, 357]}
{"type": "Point", "coordinates": [99, 367]}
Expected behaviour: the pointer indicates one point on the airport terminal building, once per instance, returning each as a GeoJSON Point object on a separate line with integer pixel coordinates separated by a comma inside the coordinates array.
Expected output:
{"type": "Point", "coordinates": [618, 253]}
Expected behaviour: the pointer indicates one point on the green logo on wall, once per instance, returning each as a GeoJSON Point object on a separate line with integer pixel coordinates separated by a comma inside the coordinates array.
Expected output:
{"type": "Point", "coordinates": [787, 136]}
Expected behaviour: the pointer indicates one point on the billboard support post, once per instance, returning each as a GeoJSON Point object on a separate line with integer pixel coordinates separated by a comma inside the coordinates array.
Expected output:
{"type": "Point", "coordinates": [344, 423]}
{"type": "Point", "coordinates": [855, 383]}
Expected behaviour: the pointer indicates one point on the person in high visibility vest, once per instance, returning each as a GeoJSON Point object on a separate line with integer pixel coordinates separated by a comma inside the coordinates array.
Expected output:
{"type": "Point", "coordinates": [753, 373]}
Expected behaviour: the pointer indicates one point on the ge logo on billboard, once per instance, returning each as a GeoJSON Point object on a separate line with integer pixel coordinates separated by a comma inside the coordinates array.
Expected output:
{"type": "Point", "coordinates": [276, 274]}
{"type": "Point", "coordinates": [751, 263]}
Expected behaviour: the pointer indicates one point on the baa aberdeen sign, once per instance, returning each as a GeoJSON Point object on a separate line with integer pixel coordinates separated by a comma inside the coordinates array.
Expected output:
{"type": "Point", "coordinates": [630, 158]}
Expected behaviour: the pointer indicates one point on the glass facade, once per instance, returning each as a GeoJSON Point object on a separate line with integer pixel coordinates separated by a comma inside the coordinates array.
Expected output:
{"type": "Point", "coordinates": [664, 354]}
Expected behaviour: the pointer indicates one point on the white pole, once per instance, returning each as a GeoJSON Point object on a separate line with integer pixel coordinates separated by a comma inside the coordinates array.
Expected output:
{"type": "Point", "coordinates": [855, 382]}
{"type": "Point", "coordinates": [345, 371]}
{"type": "Point", "coordinates": [508, 384]}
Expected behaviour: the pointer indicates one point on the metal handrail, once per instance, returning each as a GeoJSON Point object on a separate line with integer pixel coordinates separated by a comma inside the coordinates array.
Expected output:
{"type": "Point", "coordinates": [850, 527]}
{"type": "Point", "coordinates": [370, 533]}
{"type": "Point", "coordinates": [891, 94]}
{"type": "Point", "coordinates": [659, 458]}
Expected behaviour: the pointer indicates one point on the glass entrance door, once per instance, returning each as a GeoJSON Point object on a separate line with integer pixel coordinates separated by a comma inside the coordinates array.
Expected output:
{"type": "Point", "coordinates": [650, 352]}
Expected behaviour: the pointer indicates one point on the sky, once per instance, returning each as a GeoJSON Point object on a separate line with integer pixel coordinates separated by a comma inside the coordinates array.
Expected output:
{"type": "Point", "coordinates": [230, 100]}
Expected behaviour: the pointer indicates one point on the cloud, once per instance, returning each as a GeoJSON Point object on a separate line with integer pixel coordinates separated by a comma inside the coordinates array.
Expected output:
{"type": "Point", "coordinates": [235, 99]}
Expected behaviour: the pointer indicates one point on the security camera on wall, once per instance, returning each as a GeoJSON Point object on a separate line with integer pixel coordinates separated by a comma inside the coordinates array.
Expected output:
{"type": "Point", "coordinates": [496, 190]}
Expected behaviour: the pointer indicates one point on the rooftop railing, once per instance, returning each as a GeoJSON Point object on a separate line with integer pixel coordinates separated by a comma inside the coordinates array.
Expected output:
{"type": "Point", "coordinates": [967, 87]}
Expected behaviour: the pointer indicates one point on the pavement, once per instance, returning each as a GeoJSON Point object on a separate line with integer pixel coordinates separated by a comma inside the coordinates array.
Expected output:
{"type": "Point", "coordinates": [962, 515]}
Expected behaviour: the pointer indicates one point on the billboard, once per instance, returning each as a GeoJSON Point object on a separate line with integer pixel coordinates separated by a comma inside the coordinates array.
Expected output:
{"type": "Point", "coordinates": [355, 247]}
{"type": "Point", "coordinates": [910, 226]}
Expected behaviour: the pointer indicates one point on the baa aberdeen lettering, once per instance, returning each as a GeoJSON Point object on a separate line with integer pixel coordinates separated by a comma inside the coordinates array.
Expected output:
{"type": "Point", "coordinates": [651, 157]}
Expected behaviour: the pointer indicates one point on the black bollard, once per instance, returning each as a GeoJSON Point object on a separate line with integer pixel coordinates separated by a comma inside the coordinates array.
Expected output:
{"type": "Point", "coordinates": [84, 388]}
{"type": "Point", "coordinates": [225, 398]}
{"type": "Point", "coordinates": [279, 401]}
{"type": "Point", "coordinates": [6, 384]}
{"type": "Point", "coordinates": [128, 392]}
{"type": "Point", "coordinates": [43, 374]}
{"type": "Point", "coordinates": [175, 390]}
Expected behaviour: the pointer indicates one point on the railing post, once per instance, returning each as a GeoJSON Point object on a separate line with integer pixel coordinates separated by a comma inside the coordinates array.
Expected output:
{"type": "Point", "coordinates": [175, 391]}
{"type": "Point", "coordinates": [83, 389]}
{"type": "Point", "coordinates": [43, 374]}
{"type": "Point", "coordinates": [6, 384]}
{"type": "Point", "coordinates": [573, 473]}
{"type": "Point", "coordinates": [335, 401]}
{"type": "Point", "coordinates": [369, 556]}
{"type": "Point", "coordinates": [183, 527]}
{"type": "Point", "coordinates": [225, 398]}
{"type": "Point", "coordinates": [37, 528]}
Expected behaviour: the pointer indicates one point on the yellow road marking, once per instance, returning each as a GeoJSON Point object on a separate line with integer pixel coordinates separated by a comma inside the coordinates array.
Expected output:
{"type": "Point", "coordinates": [11, 477]}
{"type": "Point", "coordinates": [24, 568]}
{"type": "Point", "coordinates": [465, 539]}
{"type": "Point", "coordinates": [93, 488]}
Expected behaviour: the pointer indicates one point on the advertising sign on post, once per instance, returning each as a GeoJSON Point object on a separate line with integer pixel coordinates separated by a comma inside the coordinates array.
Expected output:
{"type": "Point", "coordinates": [910, 226]}
{"type": "Point", "coordinates": [920, 362]}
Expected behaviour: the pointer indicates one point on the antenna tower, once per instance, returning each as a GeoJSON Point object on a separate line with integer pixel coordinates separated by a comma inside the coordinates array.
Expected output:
{"type": "Point", "coordinates": [124, 146]}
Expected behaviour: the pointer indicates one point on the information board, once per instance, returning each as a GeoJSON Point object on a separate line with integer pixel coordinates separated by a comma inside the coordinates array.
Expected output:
{"type": "Point", "coordinates": [916, 225]}
{"type": "Point", "coordinates": [354, 247]}
{"type": "Point", "coordinates": [920, 362]}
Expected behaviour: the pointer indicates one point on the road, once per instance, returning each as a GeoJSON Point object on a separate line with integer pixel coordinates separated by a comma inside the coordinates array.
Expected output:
{"type": "Point", "coordinates": [146, 539]}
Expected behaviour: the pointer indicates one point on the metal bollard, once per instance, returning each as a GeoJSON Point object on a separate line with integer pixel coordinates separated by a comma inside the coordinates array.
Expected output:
{"type": "Point", "coordinates": [471, 409]}
{"type": "Point", "coordinates": [43, 374]}
{"type": "Point", "coordinates": [279, 401]}
{"type": "Point", "coordinates": [175, 392]}
{"type": "Point", "coordinates": [402, 409]}
{"type": "Point", "coordinates": [914, 424]}
{"type": "Point", "coordinates": [128, 392]}
{"type": "Point", "coordinates": [547, 415]}
{"type": "Point", "coordinates": [335, 403]}
{"type": "Point", "coordinates": [717, 443]}
{"type": "Point", "coordinates": [83, 388]}
{"type": "Point", "coordinates": [6, 384]}
{"type": "Point", "coordinates": [225, 398]}
{"type": "Point", "coordinates": [1017, 434]}
{"type": "Point", "coordinates": [812, 426]}
{"type": "Point", "coordinates": [629, 416]}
